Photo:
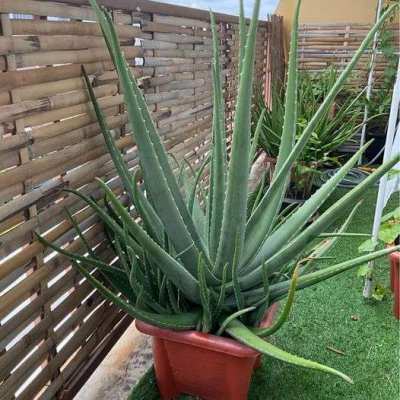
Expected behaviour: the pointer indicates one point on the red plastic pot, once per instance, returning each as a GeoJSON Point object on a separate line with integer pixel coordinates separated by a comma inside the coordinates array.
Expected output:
{"type": "Point", "coordinates": [395, 281]}
{"type": "Point", "coordinates": [200, 364]}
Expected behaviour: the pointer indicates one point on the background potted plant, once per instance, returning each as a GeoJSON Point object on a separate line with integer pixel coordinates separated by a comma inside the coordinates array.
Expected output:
{"type": "Point", "coordinates": [338, 126]}
{"type": "Point", "coordinates": [187, 267]}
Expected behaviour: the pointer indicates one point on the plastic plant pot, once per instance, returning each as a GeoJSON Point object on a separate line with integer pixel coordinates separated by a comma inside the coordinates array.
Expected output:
{"type": "Point", "coordinates": [199, 364]}
{"type": "Point", "coordinates": [395, 281]}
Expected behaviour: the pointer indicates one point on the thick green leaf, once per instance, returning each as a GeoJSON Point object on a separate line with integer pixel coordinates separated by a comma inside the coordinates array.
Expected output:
{"type": "Point", "coordinates": [182, 321]}
{"type": "Point", "coordinates": [258, 225]}
{"type": "Point", "coordinates": [242, 37]}
{"type": "Point", "coordinates": [283, 316]}
{"type": "Point", "coordinates": [231, 317]}
{"type": "Point", "coordinates": [302, 215]}
{"type": "Point", "coordinates": [242, 334]}
{"type": "Point", "coordinates": [281, 289]}
{"type": "Point", "coordinates": [218, 158]}
{"type": "Point", "coordinates": [158, 175]}
{"type": "Point", "coordinates": [297, 245]}
{"type": "Point", "coordinates": [172, 268]}
{"type": "Point", "coordinates": [256, 137]}
{"type": "Point", "coordinates": [235, 206]}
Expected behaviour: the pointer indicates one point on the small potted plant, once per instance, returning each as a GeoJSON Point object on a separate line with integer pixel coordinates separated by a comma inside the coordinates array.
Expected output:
{"type": "Point", "coordinates": [200, 275]}
{"type": "Point", "coordinates": [389, 235]}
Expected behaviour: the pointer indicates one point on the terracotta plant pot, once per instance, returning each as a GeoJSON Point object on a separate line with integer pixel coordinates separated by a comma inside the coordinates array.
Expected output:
{"type": "Point", "coordinates": [200, 364]}
{"type": "Point", "coordinates": [395, 281]}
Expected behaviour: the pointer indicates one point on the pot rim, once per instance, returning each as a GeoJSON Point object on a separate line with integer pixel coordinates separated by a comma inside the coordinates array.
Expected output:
{"type": "Point", "coordinates": [205, 340]}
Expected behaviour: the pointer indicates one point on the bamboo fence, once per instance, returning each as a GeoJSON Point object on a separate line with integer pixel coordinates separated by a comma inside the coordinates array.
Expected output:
{"type": "Point", "coordinates": [54, 328]}
{"type": "Point", "coordinates": [324, 45]}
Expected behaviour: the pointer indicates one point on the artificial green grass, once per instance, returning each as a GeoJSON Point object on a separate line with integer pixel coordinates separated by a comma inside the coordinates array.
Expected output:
{"type": "Point", "coordinates": [332, 314]}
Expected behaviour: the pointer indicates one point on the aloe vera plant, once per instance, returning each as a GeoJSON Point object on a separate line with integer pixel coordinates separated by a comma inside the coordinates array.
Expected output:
{"type": "Point", "coordinates": [206, 264]}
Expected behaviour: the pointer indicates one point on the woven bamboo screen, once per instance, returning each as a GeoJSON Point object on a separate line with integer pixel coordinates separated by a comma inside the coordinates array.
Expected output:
{"type": "Point", "coordinates": [54, 329]}
{"type": "Point", "coordinates": [323, 45]}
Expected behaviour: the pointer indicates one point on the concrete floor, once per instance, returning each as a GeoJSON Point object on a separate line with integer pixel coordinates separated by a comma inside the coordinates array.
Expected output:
{"type": "Point", "coordinates": [119, 372]}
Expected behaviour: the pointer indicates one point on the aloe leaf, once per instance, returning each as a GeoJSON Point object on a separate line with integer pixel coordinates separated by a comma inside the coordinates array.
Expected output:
{"type": "Point", "coordinates": [183, 321]}
{"type": "Point", "coordinates": [280, 289]}
{"type": "Point", "coordinates": [302, 215]}
{"type": "Point", "coordinates": [321, 224]}
{"type": "Point", "coordinates": [235, 206]}
{"type": "Point", "coordinates": [257, 228]}
{"type": "Point", "coordinates": [80, 233]}
{"type": "Point", "coordinates": [195, 209]}
{"type": "Point", "coordinates": [256, 232]}
{"type": "Point", "coordinates": [180, 276]}
{"type": "Point", "coordinates": [158, 175]}
{"type": "Point", "coordinates": [205, 296]}
{"type": "Point", "coordinates": [343, 234]}
{"type": "Point", "coordinates": [172, 297]}
{"type": "Point", "coordinates": [114, 276]}
{"type": "Point", "coordinates": [242, 334]}
{"type": "Point", "coordinates": [235, 280]}
{"type": "Point", "coordinates": [290, 117]}
{"type": "Point", "coordinates": [324, 246]}
{"type": "Point", "coordinates": [263, 304]}
{"type": "Point", "coordinates": [218, 158]}
{"type": "Point", "coordinates": [115, 154]}
{"type": "Point", "coordinates": [199, 174]}
{"type": "Point", "coordinates": [242, 37]}
{"type": "Point", "coordinates": [262, 332]}
{"type": "Point", "coordinates": [231, 317]}
{"type": "Point", "coordinates": [221, 297]}
{"type": "Point", "coordinates": [256, 136]}
{"type": "Point", "coordinates": [146, 211]}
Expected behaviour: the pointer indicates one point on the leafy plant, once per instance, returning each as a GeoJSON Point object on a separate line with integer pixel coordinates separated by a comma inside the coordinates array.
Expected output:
{"type": "Point", "coordinates": [389, 231]}
{"type": "Point", "coordinates": [336, 127]}
{"type": "Point", "coordinates": [209, 267]}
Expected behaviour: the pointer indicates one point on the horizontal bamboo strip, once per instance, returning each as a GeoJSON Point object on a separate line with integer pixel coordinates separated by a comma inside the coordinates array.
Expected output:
{"type": "Point", "coordinates": [76, 136]}
{"type": "Point", "coordinates": [40, 27]}
{"type": "Point", "coordinates": [181, 21]}
{"type": "Point", "coordinates": [28, 44]}
{"type": "Point", "coordinates": [13, 79]}
{"type": "Point", "coordinates": [183, 53]}
{"type": "Point", "coordinates": [183, 13]}
{"type": "Point", "coordinates": [67, 112]}
{"type": "Point", "coordinates": [57, 101]}
{"type": "Point", "coordinates": [46, 9]}
{"type": "Point", "coordinates": [151, 26]}
{"type": "Point", "coordinates": [77, 57]}
{"type": "Point", "coordinates": [176, 38]}
{"type": "Point", "coordinates": [75, 121]}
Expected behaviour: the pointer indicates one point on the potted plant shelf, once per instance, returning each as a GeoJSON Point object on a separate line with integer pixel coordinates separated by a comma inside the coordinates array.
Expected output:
{"type": "Point", "coordinates": [193, 262]}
